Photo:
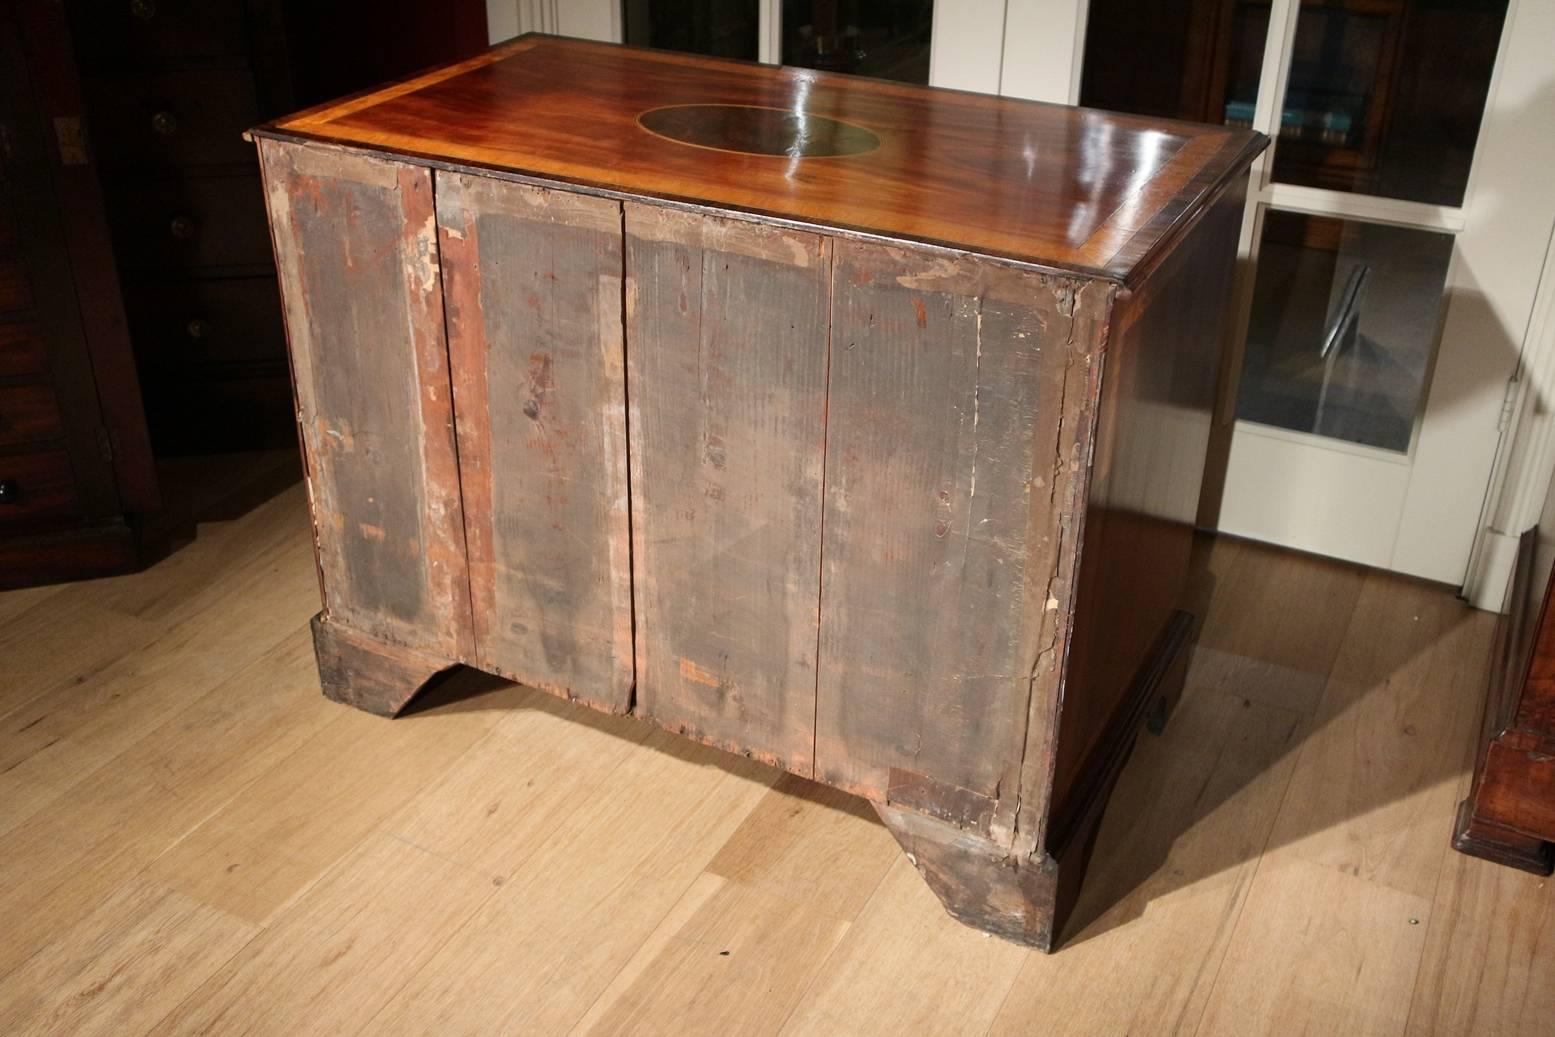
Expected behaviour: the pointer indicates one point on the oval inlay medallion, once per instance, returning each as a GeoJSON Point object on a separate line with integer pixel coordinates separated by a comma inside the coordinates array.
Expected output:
{"type": "Point", "coordinates": [749, 130]}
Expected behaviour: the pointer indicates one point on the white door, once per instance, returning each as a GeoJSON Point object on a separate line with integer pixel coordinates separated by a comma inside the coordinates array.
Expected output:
{"type": "Point", "coordinates": [1394, 236]}
{"type": "Point", "coordinates": [1392, 250]}
{"type": "Point", "coordinates": [955, 43]}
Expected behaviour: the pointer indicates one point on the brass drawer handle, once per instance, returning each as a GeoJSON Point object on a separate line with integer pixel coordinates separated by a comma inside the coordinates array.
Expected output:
{"type": "Point", "coordinates": [145, 10]}
{"type": "Point", "coordinates": [10, 493]}
{"type": "Point", "coordinates": [165, 123]}
{"type": "Point", "coordinates": [182, 227]}
{"type": "Point", "coordinates": [198, 327]}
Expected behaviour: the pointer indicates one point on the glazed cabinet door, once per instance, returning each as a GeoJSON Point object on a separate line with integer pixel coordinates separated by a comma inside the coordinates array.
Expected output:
{"type": "Point", "coordinates": [357, 252]}
{"type": "Point", "coordinates": [726, 367]}
{"type": "Point", "coordinates": [533, 282]}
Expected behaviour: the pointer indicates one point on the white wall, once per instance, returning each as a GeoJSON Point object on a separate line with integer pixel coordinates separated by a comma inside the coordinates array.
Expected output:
{"type": "Point", "coordinates": [592, 19]}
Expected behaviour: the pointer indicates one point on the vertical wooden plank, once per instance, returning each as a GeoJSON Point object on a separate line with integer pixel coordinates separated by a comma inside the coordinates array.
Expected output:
{"type": "Point", "coordinates": [534, 332]}
{"type": "Point", "coordinates": [956, 389]}
{"type": "Point", "coordinates": [726, 369]}
{"type": "Point", "coordinates": [356, 249]}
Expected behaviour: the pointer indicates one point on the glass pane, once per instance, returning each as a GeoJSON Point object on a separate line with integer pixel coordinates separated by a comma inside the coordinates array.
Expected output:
{"type": "Point", "coordinates": [1344, 322]}
{"type": "Point", "coordinates": [720, 28]}
{"type": "Point", "coordinates": [1198, 61]}
{"type": "Point", "coordinates": [1385, 96]}
{"type": "Point", "coordinates": [888, 39]}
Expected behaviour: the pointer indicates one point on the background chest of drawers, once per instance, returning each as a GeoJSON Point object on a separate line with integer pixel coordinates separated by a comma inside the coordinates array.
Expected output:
{"type": "Point", "coordinates": [75, 461]}
{"type": "Point", "coordinates": [168, 87]}
{"type": "Point", "coordinates": [139, 317]}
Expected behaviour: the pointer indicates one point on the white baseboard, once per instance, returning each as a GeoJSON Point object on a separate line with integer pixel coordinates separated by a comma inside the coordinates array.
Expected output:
{"type": "Point", "coordinates": [1490, 576]}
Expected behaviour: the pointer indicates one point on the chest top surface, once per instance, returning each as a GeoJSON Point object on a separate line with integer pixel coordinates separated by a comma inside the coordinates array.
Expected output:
{"type": "Point", "coordinates": [1058, 187]}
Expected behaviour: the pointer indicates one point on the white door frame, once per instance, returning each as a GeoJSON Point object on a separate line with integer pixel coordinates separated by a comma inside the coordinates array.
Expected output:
{"type": "Point", "coordinates": [1044, 66]}
{"type": "Point", "coordinates": [1480, 458]}
{"type": "Point", "coordinates": [1463, 480]}
{"type": "Point", "coordinates": [1424, 507]}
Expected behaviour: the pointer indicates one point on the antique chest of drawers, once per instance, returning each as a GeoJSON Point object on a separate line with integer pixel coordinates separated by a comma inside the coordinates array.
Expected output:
{"type": "Point", "coordinates": [855, 427]}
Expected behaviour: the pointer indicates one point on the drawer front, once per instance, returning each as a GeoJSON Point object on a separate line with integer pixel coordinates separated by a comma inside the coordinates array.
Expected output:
{"type": "Point", "coordinates": [36, 486]}
{"type": "Point", "coordinates": [28, 414]}
{"type": "Point", "coordinates": [157, 30]}
{"type": "Point", "coordinates": [190, 223]}
{"type": "Point", "coordinates": [356, 244]}
{"type": "Point", "coordinates": [15, 285]}
{"type": "Point", "coordinates": [726, 374]}
{"type": "Point", "coordinates": [215, 321]}
{"type": "Point", "coordinates": [203, 410]}
{"type": "Point", "coordinates": [22, 351]}
{"type": "Point", "coordinates": [189, 117]}
{"type": "Point", "coordinates": [8, 233]}
{"type": "Point", "coordinates": [533, 280]}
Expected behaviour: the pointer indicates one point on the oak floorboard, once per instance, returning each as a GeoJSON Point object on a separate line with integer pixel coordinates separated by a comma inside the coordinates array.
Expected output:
{"type": "Point", "coordinates": [62, 635]}
{"type": "Point", "coordinates": [207, 845]}
{"type": "Point", "coordinates": [122, 967]}
{"type": "Point", "coordinates": [314, 806]}
{"type": "Point", "coordinates": [1318, 951]}
{"type": "Point", "coordinates": [592, 886]}
{"type": "Point", "coordinates": [343, 948]}
{"type": "Point", "coordinates": [1380, 770]}
{"type": "Point", "coordinates": [905, 966]}
{"type": "Point", "coordinates": [1489, 960]}
{"type": "Point", "coordinates": [1174, 860]}
{"type": "Point", "coordinates": [769, 908]}
{"type": "Point", "coordinates": [262, 595]}
{"type": "Point", "coordinates": [112, 820]}
{"type": "Point", "coordinates": [1333, 929]}
{"type": "Point", "coordinates": [17, 602]}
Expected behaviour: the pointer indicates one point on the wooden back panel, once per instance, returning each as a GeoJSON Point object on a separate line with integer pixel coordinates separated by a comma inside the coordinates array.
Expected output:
{"type": "Point", "coordinates": [533, 282]}
{"type": "Point", "coordinates": [726, 369]}
{"type": "Point", "coordinates": [958, 387]}
{"type": "Point", "coordinates": [357, 253]}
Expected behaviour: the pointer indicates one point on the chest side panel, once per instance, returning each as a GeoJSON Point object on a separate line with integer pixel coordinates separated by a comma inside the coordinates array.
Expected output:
{"type": "Point", "coordinates": [357, 252]}
{"type": "Point", "coordinates": [957, 386]}
{"type": "Point", "coordinates": [726, 368]}
{"type": "Point", "coordinates": [533, 281]}
{"type": "Point", "coordinates": [1153, 433]}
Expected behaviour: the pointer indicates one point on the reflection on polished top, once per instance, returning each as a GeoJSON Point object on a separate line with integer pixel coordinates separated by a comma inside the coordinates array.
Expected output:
{"type": "Point", "coordinates": [748, 130]}
{"type": "Point", "coordinates": [1059, 187]}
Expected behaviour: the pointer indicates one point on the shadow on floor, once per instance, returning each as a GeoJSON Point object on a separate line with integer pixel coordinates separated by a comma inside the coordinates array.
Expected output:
{"type": "Point", "coordinates": [222, 487]}
{"type": "Point", "coordinates": [1321, 697]}
{"type": "Point", "coordinates": [1295, 649]}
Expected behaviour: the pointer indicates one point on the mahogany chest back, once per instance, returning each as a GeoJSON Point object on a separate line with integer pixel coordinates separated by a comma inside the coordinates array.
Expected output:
{"type": "Point", "coordinates": [851, 426]}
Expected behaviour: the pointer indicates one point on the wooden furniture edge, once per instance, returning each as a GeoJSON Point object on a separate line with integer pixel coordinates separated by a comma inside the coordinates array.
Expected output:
{"type": "Point", "coordinates": [1190, 216]}
{"type": "Point", "coordinates": [1026, 897]}
{"type": "Point", "coordinates": [338, 107]}
{"type": "Point", "coordinates": [1230, 160]}
{"type": "Point", "coordinates": [369, 674]}
{"type": "Point", "coordinates": [1479, 829]}
{"type": "Point", "coordinates": [684, 203]}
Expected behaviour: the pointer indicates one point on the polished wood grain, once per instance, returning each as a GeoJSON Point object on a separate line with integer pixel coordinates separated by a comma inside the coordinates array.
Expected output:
{"type": "Point", "coordinates": [1049, 185]}
{"type": "Point", "coordinates": [490, 864]}
{"type": "Point", "coordinates": [1509, 813]}
{"type": "Point", "coordinates": [751, 130]}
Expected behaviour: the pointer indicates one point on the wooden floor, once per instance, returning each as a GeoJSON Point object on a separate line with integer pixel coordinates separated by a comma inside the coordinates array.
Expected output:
{"type": "Point", "coordinates": [194, 841]}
